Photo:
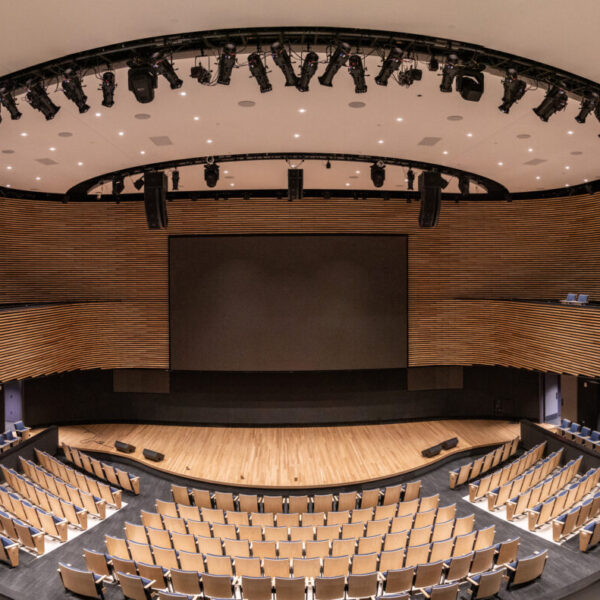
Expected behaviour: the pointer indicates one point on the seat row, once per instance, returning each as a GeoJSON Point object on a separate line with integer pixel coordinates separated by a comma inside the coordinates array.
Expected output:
{"type": "Point", "coordinates": [49, 465]}
{"type": "Point", "coordinates": [581, 434]}
{"type": "Point", "coordinates": [564, 500]}
{"type": "Point", "coordinates": [576, 518]}
{"type": "Point", "coordinates": [483, 464]}
{"type": "Point", "coordinates": [102, 470]}
{"type": "Point", "coordinates": [479, 488]}
{"type": "Point", "coordinates": [11, 438]}
{"type": "Point", "coordinates": [21, 533]}
{"type": "Point", "coordinates": [589, 536]}
{"type": "Point", "coordinates": [296, 504]}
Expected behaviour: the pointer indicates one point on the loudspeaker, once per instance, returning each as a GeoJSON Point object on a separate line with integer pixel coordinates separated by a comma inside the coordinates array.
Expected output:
{"type": "Point", "coordinates": [153, 455]}
{"type": "Point", "coordinates": [155, 199]}
{"type": "Point", "coordinates": [124, 447]}
{"type": "Point", "coordinates": [451, 443]}
{"type": "Point", "coordinates": [433, 451]}
{"type": "Point", "coordinates": [295, 184]}
{"type": "Point", "coordinates": [430, 188]}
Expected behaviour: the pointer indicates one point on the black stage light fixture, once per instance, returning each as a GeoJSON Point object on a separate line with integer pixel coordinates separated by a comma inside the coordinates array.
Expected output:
{"type": "Point", "coordinates": [226, 64]}
{"type": "Point", "coordinates": [378, 173]}
{"type": "Point", "coordinates": [108, 89]}
{"type": "Point", "coordinates": [589, 103]}
{"type": "Point", "coordinates": [8, 101]}
{"type": "Point", "coordinates": [434, 63]}
{"type": "Point", "coordinates": [295, 184]}
{"type": "Point", "coordinates": [391, 63]}
{"type": "Point", "coordinates": [165, 68]}
{"type": "Point", "coordinates": [555, 100]}
{"type": "Point", "coordinates": [211, 174]}
{"type": "Point", "coordinates": [469, 83]}
{"type": "Point", "coordinates": [309, 68]}
{"type": "Point", "coordinates": [175, 180]}
{"type": "Point", "coordinates": [357, 71]}
{"type": "Point", "coordinates": [201, 74]}
{"type": "Point", "coordinates": [138, 184]}
{"type": "Point", "coordinates": [282, 59]}
{"type": "Point", "coordinates": [514, 90]}
{"type": "Point", "coordinates": [463, 185]}
{"type": "Point", "coordinates": [449, 72]}
{"type": "Point", "coordinates": [142, 80]}
{"type": "Point", "coordinates": [410, 176]}
{"type": "Point", "coordinates": [71, 86]}
{"type": "Point", "coordinates": [336, 60]}
{"type": "Point", "coordinates": [258, 71]}
{"type": "Point", "coordinates": [39, 99]}
{"type": "Point", "coordinates": [118, 185]}
{"type": "Point", "coordinates": [328, 164]}
{"type": "Point", "coordinates": [408, 77]}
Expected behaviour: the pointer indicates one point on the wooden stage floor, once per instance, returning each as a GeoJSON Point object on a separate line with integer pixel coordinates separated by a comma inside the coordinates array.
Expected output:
{"type": "Point", "coordinates": [288, 457]}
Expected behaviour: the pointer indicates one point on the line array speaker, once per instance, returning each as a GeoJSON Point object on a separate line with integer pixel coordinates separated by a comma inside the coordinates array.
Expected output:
{"type": "Point", "coordinates": [433, 451]}
{"type": "Point", "coordinates": [124, 447]}
{"type": "Point", "coordinates": [153, 455]}
{"type": "Point", "coordinates": [451, 443]}
{"type": "Point", "coordinates": [155, 199]}
{"type": "Point", "coordinates": [295, 184]}
{"type": "Point", "coordinates": [430, 188]}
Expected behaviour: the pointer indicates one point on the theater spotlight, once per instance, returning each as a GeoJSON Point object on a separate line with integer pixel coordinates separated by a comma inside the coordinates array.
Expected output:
{"type": "Point", "coordinates": [211, 174]}
{"type": "Point", "coordinates": [391, 63]}
{"type": "Point", "coordinates": [434, 63]}
{"type": "Point", "coordinates": [201, 74]}
{"type": "Point", "coordinates": [108, 89]}
{"type": "Point", "coordinates": [8, 101]}
{"type": "Point", "coordinates": [226, 64]}
{"type": "Point", "coordinates": [514, 90]}
{"type": "Point", "coordinates": [378, 173]}
{"type": "Point", "coordinates": [309, 68]}
{"type": "Point", "coordinates": [589, 103]}
{"type": "Point", "coordinates": [39, 99]}
{"type": "Point", "coordinates": [282, 59]}
{"type": "Point", "coordinates": [410, 177]}
{"type": "Point", "coordinates": [117, 185]}
{"type": "Point", "coordinates": [463, 185]}
{"type": "Point", "coordinates": [336, 60]}
{"type": "Point", "coordinates": [175, 180]}
{"type": "Point", "coordinates": [138, 184]}
{"type": "Point", "coordinates": [142, 80]}
{"type": "Point", "coordinates": [71, 86]}
{"type": "Point", "coordinates": [408, 77]}
{"type": "Point", "coordinates": [165, 68]}
{"type": "Point", "coordinates": [555, 100]}
{"type": "Point", "coordinates": [469, 83]}
{"type": "Point", "coordinates": [357, 71]}
{"type": "Point", "coordinates": [257, 68]}
{"type": "Point", "coordinates": [449, 72]}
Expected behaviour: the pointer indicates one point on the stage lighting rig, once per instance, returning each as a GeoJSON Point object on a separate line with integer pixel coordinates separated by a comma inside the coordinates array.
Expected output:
{"type": "Point", "coordinates": [555, 100]}
{"type": "Point", "coordinates": [108, 89]}
{"type": "Point", "coordinates": [514, 90]}
{"type": "Point", "coordinates": [469, 84]}
{"type": "Point", "coordinates": [211, 174]}
{"type": "Point", "coordinates": [39, 99]}
{"type": "Point", "coordinates": [258, 71]}
{"type": "Point", "coordinates": [201, 74]}
{"type": "Point", "coordinates": [164, 67]}
{"type": "Point", "coordinates": [226, 64]}
{"type": "Point", "coordinates": [589, 103]}
{"type": "Point", "coordinates": [410, 177]}
{"type": "Point", "coordinates": [73, 90]}
{"type": "Point", "coordinates": [449, 72]}
{"type": "Point", "coordinates": [391, 63]}
{"type": "Point", "coordinates": [117, 185]}
{"type": "Point", "coordinates": [338, 58]}
{"type": "Point", "coordinates": [142, 80]}
{"type": "Point", "coordinates": [357, 71]}
{"type": "Point", "coordinates": [408, 77]}
{"type": "Point", "coordinates": [282, 59]}
{"type": "Point", "coordinates": [378, 173]}
{"type": "Point", "coordinates": [138, 184]}
{"type": "Point", "coordinates": [8, 101]}
{"type": "Point", "coordinates": [309, 68]}
{"type": "Point", "coordinates": [175, 180]}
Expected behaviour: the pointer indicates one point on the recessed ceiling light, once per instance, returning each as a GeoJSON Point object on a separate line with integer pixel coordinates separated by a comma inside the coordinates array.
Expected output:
{"type": "Point", "coordinates": [296, 135]}
{"type": "Point", "coordinates": [80, 164]}
{"type": "Point", "coordinates": [445, 152]}
{"type": "Point", "coordinates": [23, 134]}
{"type": "Point", "coordinates": [567, 167]}
{"type": "Point", "coordinates": [357, 172]}
{"type": "Point", "coordinates": [232, 184]}
{"type": "Point", "coordinates": [37, 178]}
{"type": "Point", "coordinates": [537, 177]}
{"type": "Point", "coordinates": [570, 132]}
{"type": "Point", "coordinates": [142, 152]}
{"type": "Point", "coordinates": [8, 185]}
{"type": "Point", "coordinates": [500, 164]}
{"type": "Point", "coordinates": [121, 133]}
{"type": "Point", "coordinates": [380, 141]}
{"type": "Point", "coordinates": [209, 141]}
{"type": "Point", "coordinates": [98, 114]}
{"type": "Point", "coordinates": [399, 119]}
{"type": "Point", "coordinates": [9, 167]}
{"type": "Point", "coordinates": [183, 93]}
{"type": "Point", "coordinates": [469, 135]}
{"type": "Point", "coordinates": [585, 181]}
{"type": "Point", "coordinates": [225, 172]}
{"type": "Point", "coordinates": [529, 149]}
{"type": "Point", "coordinates": [301, 110]}
{"type": "Point", "coordinates": [566, 185]}
{"type": "Point", "coordinates": [52, 149]}
{"type": "Point", "coordinates": [196, 118]}
{"type": "Point", "coordinates": [347, 184]}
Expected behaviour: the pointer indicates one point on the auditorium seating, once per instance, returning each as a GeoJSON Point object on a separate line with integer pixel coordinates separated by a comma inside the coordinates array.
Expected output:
{"type": "Point", "coordinates": [589, 536]}
{"type": "Point", "coordinates": [526, 569]}
{"type": "Point", "coordinates": [582, 435]}
{"type": "Point", "coordinates": [81, 583]}
{"type": "Point", "coordinates": [9, 551]}
{"type": "Point", "coordinates": [21, 533]}
{"type": "Point", "coordinates": [22, 430]}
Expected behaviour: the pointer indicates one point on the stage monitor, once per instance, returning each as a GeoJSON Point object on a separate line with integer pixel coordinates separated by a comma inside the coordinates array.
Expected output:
{"type": "Point", "coordinates": [288, 302]}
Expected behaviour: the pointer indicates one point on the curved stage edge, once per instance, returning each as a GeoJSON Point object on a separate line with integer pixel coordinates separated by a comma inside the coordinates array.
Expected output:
{"type": "Point", "coordinates": [288, 458]}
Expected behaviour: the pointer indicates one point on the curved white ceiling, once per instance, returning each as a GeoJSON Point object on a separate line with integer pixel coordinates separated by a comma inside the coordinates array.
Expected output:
{"type": "Point", "coordinates": [553, 32]}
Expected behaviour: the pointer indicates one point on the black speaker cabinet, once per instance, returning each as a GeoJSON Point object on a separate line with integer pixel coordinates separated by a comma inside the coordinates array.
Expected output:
{"type": "Point", "coordinates": [153, 455]}
{"type": "Point", "coordinates": [124, 447]}
{"type": "Point", "coordinates": [451, 443]}
{"type": "Point", "coordinates": [430, 188]}
{"type": "Point", "coordinates": [433, 451]}
{"type": "Point", "coordinates": [155, 199]}
{"type": "Point", "coordinates": [295, 184]}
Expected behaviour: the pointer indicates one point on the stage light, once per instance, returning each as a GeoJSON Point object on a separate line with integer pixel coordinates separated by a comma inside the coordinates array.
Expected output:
{"type": "Point", "coordinates": [514, 90]}
{"type": "Point", "coordinates": [211, 174]}
{"type": "Point", "coordinates": [410, 176]}
{"type": "Point", "coordinates": [336, 60]}
{"type": "Point", "coordinates": [357, 71]}
{"type": "Point", "coordinates": [257, 68]}
{"type": "Point", "coordinates": [201, 74]}
{"type": "Point", "coordinates": [117, 185]}
{"type": "Point", "coordinates": [226, 64]}
{"type": "Point", "coordinates": [309, 68]}
{"type": "Point", "coordinates": [71, 86]}
{"type": "Point", "coordinates": [138, 184]}
{"type": "Point", "coordinates": [282, 59]}
{"type": "Point", "coordinates": [108, 89]}
{"type": "Point", "coordinates": [7, 100]}
{"type": "Point", "coordinates": [39, 99]}
{"type": "Point", "coordinates": [463, 185]}
{"type": "Point", "coordinates": [378, 173]}
{"type": "Point", "coordinates": [408, 77]}
{"type": "Point", "coordinates": [142, 80]}
{"type": "Point", "coordinates": [175, 180]}
{"type": "Point", "coordinates": [391, 63]}
{"type": "Point", "coordinates": [449, 72]}
{"type": "Point", "coordinates": [434, 63]}
{"type": "Point", "coordinates": [469, 83]}
{"type": "Point", "coordinates": [328, 165]}
{"type": "Point", "coordinates": [165, 68]}
{"type": "Point", "coordinates": [589, 103]}
{"type": "Point", "coordinates": [555, 100]}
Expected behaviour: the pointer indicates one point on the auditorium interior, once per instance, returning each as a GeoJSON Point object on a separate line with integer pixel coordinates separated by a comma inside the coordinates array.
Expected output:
{"type": "Point", "coordinates": [299, 301]}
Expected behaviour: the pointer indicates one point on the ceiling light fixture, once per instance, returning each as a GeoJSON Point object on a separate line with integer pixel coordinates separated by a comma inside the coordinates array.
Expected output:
{"type": "Point", "coordinates": [449, 72]}
{"type": "Point", "coordinates": [165, 68]}
{"type": "Point", "coordinates": [138, 184]}
{"type": "Point", "coordinates": [514, 90]}
{"type": "Point", "coordinates": [470, 83]}
{"type": "Point", "coordinates": [39, 99]}
{"type": "Point", "coordinates": [226, 64]}
{"type": "Point", "coordinates": [80, 164]}
{"type": "Point", "coordinates": [338, 58]}
{"type": "Point", "coordinates": [211, 174]}
{"type": "Point", "coordinates": [200, 74]}
{"type": "Point", "coordinates": [408, 77]}
{"type": "Point", "coordinates": [378, 173]}
{"type": "Point", "coordinates": [142, 80]}
{"type": "Point", "coordinates": [258, 71]}
{"type": "Point", "coordinates": [8, 101]}
{"type": "Point", "coordinates": [73, 90]}
{"type": "Point", "coordinates": [391, 63]}
{"type": "Point", "coordinates": [357, 71]}
{"type": "Point", "coordinates": [309, 68]}
{"type": "Point", "coordinates": [117, 185]}
{"type": "Point", "coordinates": [554, 101]}
{"type": "Point", "coordinates": [108, 90]}
{"type": "Point", "coordinates": [463, 185]}
{"type": "Point", "coordinates": [282, 59]}
{"type": "Point", "coordinates": [410, 179]}
{"type": "Point", "coordinates": [175, 180]}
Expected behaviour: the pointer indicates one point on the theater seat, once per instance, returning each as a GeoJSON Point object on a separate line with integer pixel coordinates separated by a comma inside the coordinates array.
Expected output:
{"type": "Point", "coordinates": [486, 585]}
{"type": "Point", "coordinates": [81, 583]}
{"type": "Point", "coordinates": [526, 569]}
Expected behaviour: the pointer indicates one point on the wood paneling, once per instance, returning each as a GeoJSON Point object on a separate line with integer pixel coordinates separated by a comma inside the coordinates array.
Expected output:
{"type": "Point", "coordinates": [103, 255]}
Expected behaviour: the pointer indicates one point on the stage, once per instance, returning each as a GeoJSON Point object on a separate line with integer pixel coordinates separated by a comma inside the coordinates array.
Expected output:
{"type": "Point", "coordinates": [288, 457]}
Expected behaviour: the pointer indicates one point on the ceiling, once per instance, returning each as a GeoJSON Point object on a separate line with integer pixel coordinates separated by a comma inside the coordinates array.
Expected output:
{"type": "Point", "coordinates": [563, 151]}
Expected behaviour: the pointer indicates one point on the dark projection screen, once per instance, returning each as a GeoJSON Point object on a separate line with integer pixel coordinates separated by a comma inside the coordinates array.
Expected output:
{"type": "Point", "coordinates": [288, 303]}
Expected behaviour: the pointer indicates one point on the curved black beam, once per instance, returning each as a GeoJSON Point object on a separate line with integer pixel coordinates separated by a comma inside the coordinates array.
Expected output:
{"type": "Point", "coordinates": [494, 189]}
{"type": "Point", "coordinates": [209, 42]}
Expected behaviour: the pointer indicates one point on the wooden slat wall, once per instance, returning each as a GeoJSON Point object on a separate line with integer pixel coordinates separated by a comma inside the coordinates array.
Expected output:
{"type": "Point", "coordinates": [104, 254]}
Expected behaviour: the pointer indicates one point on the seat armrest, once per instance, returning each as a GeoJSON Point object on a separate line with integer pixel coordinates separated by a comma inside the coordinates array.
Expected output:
{"type": "Point", "coordinates": [148, 585]}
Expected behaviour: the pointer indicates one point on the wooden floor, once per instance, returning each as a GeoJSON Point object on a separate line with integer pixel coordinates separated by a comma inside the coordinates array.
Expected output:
{"type": "Point", "coordinates": [290, 456]}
